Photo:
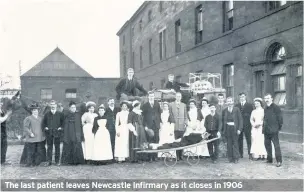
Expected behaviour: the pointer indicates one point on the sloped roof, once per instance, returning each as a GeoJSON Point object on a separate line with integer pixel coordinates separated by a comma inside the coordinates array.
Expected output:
{"type": "Point", "coordinates": [56, 64]}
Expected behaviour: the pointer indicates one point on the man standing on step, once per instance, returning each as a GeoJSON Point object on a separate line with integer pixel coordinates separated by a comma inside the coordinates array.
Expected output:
{"type": "Point", "coordinates": [127, 88]}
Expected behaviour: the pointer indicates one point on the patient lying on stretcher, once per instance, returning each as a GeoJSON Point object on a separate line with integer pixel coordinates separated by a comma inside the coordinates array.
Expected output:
{"type": "Point", "coordinates": [187, 139]}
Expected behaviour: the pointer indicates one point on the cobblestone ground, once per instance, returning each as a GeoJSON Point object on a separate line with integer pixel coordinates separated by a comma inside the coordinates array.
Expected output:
{"type": "Point", "coordinates": [245, 169]}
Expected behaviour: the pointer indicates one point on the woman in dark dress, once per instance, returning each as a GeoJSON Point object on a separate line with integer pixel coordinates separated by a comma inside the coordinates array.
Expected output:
{"type": "Point", "coordinates": [137, 134]}
{"type": "Point", "coordinates": [72, 153]}
{"type": "Point", "coordinates": [34, 148]}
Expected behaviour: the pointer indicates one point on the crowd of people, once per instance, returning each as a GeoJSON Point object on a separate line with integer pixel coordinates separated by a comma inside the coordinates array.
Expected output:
{"type": "Point", "coordinates": [106, 134]}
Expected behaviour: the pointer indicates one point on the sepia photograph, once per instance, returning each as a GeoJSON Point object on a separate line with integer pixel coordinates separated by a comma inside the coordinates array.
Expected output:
{"type": "Point", "coordinates": [140, 95]}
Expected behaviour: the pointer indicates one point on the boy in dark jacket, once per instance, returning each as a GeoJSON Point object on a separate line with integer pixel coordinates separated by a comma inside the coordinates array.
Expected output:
{"type": "Point", "coordinates": [212, 125]}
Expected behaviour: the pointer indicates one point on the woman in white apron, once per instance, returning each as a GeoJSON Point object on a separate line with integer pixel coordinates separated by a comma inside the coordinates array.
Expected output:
{"type": "Point", "coordinates": [203, 149]}
{"type": "Point", "coordinates": [166, 132]}
{"type": "Point", "coordinates": [258, 149]}
{"type": "Point", "coordinates": [194, 125]}
{"type": "Point", "coordinates": [122, 134]}
{"type": "Point", "coordinates": [102, 152]}
{"type": "Point", "coordinates": [87, 120]}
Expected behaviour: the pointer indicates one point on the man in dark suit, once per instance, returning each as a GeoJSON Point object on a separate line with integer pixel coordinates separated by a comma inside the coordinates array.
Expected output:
{"type": "Point", "coordinates": [52, 124]}
{"type": "Point", "coordinates": [232, 128]}
{"type": "Point", "coordinates": [110, 114]}
{"type": "Point", "coordinates": [151, 120]}
{"type": "Point", "coordinates": [176, 86]}
{"type": "Point", "coordinates": [246, 108]}
{"type": "Point", "coordinates": [127, 88]}
{"type": "Point", "coordinates": [220, 106]}
{"type": "Point", "coordinates": [273, 122]}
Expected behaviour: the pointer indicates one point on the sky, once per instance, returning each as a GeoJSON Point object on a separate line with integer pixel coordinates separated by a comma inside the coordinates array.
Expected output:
{"type": "Point", "coordinates": [85, 30]}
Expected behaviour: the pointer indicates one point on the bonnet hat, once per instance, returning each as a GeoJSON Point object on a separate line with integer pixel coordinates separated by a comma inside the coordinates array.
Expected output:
{"type": "Point", "coordinates": [34, 106]}
{"type": "Point", "coordinates": [101, 106]}
{"type": "Point", "coordinates": [135, 103]}
{"type": "Point", "coordinates": [90, 104]}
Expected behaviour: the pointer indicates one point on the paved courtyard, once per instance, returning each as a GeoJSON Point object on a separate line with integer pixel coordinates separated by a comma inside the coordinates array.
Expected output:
{"type": "Point", "coordinates": [245, 169]}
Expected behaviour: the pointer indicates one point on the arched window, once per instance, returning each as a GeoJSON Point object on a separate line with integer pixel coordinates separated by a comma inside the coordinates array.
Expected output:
{"type": "Point", "coordinates": [278, 73]}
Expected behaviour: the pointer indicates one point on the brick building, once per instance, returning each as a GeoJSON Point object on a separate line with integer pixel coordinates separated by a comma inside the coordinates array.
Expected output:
{"type": "Point", "coordinates": [58, 77]}
{"type": "Point", "coordinates": [256, 46]}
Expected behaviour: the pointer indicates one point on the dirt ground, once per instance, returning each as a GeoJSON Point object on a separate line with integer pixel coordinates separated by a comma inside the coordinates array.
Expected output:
{"type": "Point", "coordinates": [245, 169]}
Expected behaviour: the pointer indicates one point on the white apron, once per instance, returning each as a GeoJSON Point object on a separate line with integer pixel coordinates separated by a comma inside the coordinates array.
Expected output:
{"type": "Point", "coordinates": [166, 134]}
{"type": "Point", "coordinates": [102, 143]}
{"type": "Point", "coordinates": [87, 146]}
{"type": "Point", "coordinates": [122, 141]}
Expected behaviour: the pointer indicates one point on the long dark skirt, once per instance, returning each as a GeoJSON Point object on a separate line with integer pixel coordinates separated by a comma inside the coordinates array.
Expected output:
{"type": "Point", "coordinates": [72, 154]}
{"type": "Point", "coordinates": [135, 142]}
{"type": "Point", "coordinates": [3, 147]}
{"type": "Point", "coordinates": [33, 154]}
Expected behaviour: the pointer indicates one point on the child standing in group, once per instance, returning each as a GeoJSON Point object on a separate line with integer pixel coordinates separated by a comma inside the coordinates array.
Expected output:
{"type": "Point", "coordinates": [212, 125]}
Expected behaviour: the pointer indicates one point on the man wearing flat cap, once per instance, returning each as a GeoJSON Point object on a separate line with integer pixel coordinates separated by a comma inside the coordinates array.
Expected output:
{"type": "Point", "coordinates": [127, 87]}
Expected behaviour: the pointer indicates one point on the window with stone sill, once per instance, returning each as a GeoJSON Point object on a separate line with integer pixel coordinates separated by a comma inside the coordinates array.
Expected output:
{"type": "Point", "coordinates": [278, 73]}
{"type": "Point", "coordinates": [228, 10]}
{"type": "Point", "coordinates": [162, 44]}
{"type": "Point", "coordinates": [178, 37]}
{"type": "Point", "coordinates": [46, 94]}
{"type": "Point", "coordinates": [199, 24]}
{"type": "Point", "coordinates": [150, 52]}
{"type": "Point", "coordinates": [71, 93]}
{"type": "Point", "coordinates": [272, 5]}
{"type": "Point", "coordinates": [279, 82]}
{"type": "Point", "coordinates": [229, 79]}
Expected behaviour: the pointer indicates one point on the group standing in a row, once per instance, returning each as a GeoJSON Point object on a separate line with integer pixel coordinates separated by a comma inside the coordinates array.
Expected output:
{"type": "Point", "coordinates": [114, 133]}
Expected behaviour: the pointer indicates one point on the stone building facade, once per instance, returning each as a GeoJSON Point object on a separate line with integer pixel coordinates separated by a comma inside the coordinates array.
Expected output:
{"type": "Point", "coordinates": [58, 77]}
{"type": "Point", "coordinates": [257, 47]}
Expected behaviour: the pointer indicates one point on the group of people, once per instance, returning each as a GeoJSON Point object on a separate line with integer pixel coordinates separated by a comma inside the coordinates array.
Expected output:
{"type": "Point", "coordinates": [114, 134]}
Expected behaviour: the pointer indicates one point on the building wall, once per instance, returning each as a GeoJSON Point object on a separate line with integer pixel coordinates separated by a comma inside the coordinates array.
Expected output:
{"type": "Point", "coordinates": [254, 30]}
{"type": "Point", "coordinates": [99, 89]}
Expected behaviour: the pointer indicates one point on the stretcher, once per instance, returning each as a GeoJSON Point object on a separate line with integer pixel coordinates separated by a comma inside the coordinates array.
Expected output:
{"type": "Point", "coordinates": [190, 156]}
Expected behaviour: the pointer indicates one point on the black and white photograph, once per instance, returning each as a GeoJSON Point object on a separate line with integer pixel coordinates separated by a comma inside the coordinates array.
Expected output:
{"type": "Point", "coordinates": [134, 95]}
